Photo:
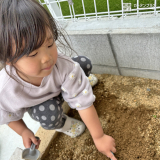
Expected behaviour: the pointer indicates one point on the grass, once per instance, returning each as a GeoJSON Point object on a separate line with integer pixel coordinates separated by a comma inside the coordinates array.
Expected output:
{"type": "Point", "coordinates": [114, 5]}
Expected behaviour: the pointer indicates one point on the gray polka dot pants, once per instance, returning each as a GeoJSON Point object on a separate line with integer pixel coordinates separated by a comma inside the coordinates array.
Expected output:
{"type": "Point", "coordinates": [85, 64]}
{"type": "Point", "coordinates": [50, 113]}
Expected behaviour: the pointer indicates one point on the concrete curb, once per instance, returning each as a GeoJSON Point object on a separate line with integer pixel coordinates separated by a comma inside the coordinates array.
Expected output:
{"type": "Point", "coordinates": [120, 46]}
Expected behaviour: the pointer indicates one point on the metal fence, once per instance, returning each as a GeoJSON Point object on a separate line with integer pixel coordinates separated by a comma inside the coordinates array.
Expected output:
{"type": "Point", "coordinates": [56, 10]}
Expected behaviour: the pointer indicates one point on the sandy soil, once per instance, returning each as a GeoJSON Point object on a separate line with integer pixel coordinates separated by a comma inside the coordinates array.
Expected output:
{"type": "Point", "coordinates": [128, 108]}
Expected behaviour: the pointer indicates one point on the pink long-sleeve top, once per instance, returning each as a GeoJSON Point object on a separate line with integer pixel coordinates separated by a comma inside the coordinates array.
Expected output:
{"type": "Point", "coordinates": [67, 78]}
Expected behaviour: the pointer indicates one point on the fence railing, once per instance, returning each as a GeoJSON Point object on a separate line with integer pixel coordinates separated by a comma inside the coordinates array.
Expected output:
{"type": "Point", "coordinates": [56, 9]}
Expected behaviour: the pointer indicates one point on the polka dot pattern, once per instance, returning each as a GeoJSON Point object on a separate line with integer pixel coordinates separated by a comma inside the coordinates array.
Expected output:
{"type": "Point", "coordinates": [52, 107]}
{"type": "Point", "coordinates": [49, 113]}
{"type": "Point", "coordinates": [88, 66]}
{"type": "Point", "coordinates": [85, 64]}
{"type": "Point", "coordinates": [56, 123]}
{"type": "Point", "coordinates": [34, 111]}
{"type": "Point", "coordinates": [41, 108]}
{"type": "Point", "coordinates": [83, 59]}
{"type": "Point", "coordinates": [53, 118]}
{"type": "Point", "coordinates": [44, 118]}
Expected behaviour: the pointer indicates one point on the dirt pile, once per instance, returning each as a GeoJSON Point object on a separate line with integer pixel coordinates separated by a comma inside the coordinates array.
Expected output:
{"type": "Point", "coordinates": [128, 109]}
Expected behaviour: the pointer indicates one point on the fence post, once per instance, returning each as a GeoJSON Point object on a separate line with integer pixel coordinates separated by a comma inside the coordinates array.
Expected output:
{"type": "Point", "coordinates": [53, 8]}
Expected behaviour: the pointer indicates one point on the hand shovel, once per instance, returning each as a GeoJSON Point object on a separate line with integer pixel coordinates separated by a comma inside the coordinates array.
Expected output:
{"type": "Point", "coordinates": [31, 153]}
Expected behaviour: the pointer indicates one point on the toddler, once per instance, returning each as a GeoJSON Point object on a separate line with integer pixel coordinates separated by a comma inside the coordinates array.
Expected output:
{"type": "Point", "coordinates": [36, 78]}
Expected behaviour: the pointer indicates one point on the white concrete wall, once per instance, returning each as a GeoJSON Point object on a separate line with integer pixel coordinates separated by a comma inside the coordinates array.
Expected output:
{"type": "Point", "coordinates": [10, 140]}
{"type": "Point", "coordinates": [129, 46]}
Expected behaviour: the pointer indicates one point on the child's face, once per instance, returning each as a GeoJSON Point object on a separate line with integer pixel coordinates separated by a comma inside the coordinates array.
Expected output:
{"type": "Point", "coordinates": [39, 63]}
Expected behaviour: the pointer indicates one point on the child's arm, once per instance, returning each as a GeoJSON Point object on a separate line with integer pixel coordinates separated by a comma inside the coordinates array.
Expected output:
{"type": "Point", "coordinates": [105, 144]}
{"type": "Point", "coordinates": [27, 135]}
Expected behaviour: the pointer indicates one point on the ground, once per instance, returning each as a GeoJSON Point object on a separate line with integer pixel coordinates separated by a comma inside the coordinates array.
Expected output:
{"type": "Point", "coordinates": [128, 109]}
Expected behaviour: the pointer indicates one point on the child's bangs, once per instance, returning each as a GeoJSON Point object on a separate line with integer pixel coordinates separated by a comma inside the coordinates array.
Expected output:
{"type": "Point", "coordinates": [32, 31]}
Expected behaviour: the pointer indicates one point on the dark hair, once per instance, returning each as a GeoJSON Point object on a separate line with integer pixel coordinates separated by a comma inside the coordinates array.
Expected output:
{"type": "Point", "coordinates": [24, 23]}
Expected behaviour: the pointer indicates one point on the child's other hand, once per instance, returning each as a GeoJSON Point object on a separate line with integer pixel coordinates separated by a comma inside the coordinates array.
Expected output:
{"type": "Point", "coordinates": [106, 145]}
{"type": "Point", "coordinates": [29, 137]}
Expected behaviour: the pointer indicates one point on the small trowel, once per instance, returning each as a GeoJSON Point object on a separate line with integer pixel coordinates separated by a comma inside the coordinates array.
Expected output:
{"type": "Point", "coordinates": [31, 153]}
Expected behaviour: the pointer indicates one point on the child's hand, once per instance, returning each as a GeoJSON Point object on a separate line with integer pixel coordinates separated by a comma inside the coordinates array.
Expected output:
{"type": "Point", "coordinates": [29, 137]}
{"type": "Point", "coordinates": [106, 145]}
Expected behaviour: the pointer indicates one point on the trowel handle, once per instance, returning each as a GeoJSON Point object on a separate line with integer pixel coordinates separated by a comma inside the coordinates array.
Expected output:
{"type": "Point", "coordinates": [37, 138]}
{"type": "Point", "coordinates": [33, 145]}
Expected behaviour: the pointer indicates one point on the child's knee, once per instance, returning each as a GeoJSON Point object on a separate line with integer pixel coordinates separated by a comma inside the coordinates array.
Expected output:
{"type": "Point", "coordinates": [85, 64]}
